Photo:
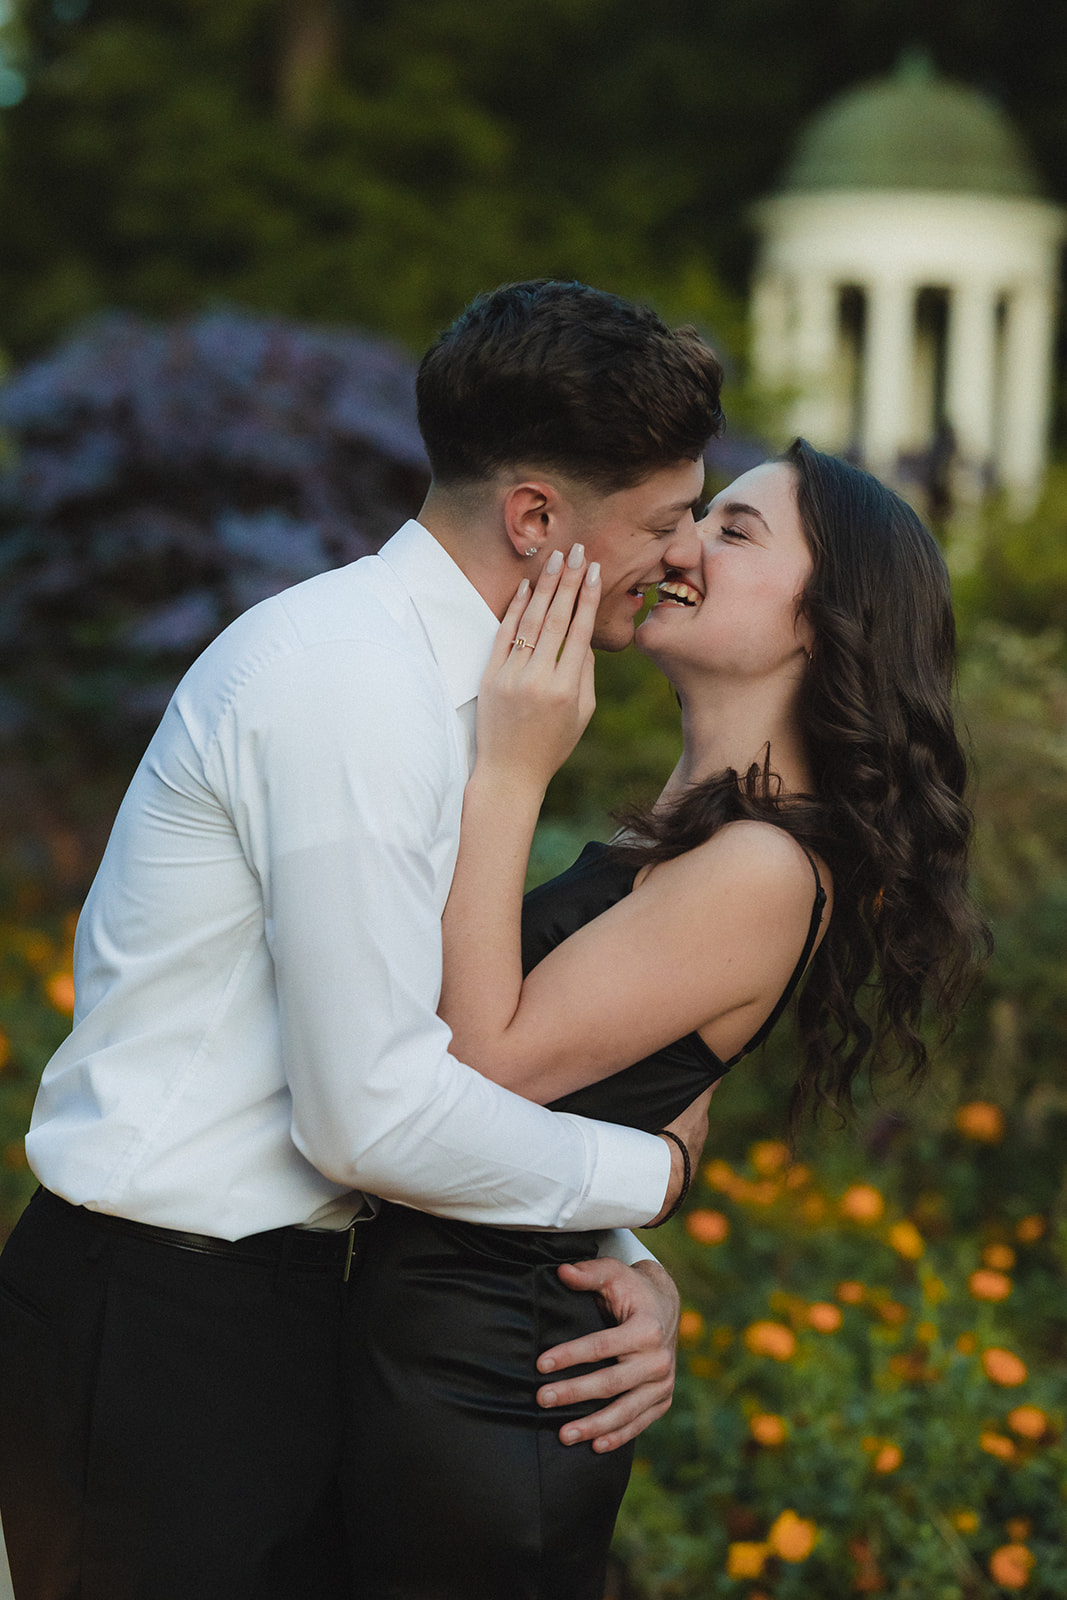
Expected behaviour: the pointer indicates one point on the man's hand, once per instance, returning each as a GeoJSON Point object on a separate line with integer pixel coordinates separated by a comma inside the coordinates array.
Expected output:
{"type": "Point", "coordinates": [644, 1303]}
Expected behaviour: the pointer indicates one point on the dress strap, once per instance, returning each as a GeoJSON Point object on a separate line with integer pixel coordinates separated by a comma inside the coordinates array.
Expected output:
{"type": "Point", "coordinates": [798, 971]}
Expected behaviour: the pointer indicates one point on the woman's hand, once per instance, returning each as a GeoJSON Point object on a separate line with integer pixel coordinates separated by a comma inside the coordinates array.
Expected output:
{"type": "Point", "coordinates": [537, 697]}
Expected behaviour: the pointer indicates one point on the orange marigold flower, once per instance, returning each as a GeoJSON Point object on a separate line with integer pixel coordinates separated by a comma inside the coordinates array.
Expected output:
{"type": "Point", "coordinates": [1003, 1367]}
{"type": "Point", "coordinates": [60, 992]}
{"type": "Point", "coordinates": [797, 1176]}
{"type": "Point", "coordinates": [934, 1290]}
{"type": "Point", "coordinates": [792, 1537]}
{"type": "Point", "coordinates": [996, 1444]}
{"type": "Point", "coordinates": [981, 1121]}
{"type": "Point", "coordinates": [905, 1238]}
{"type": "Point", "coordinates": [888, 1458]}
{"type": "Point", "coordinates": [813, 1208]}
{"type": "Point", "coordinates": [720, 1175]}
{"type": "Point", "coordinates": [861, 1202]}
{"type": "Point", "coordinates": [768, 1429]}
{"type": "Point", "coordinates": [1029, 1422]}
{"type": "Point", "coordinates": [893, 1312]}
{"type": "Point", "coordinates": [1001, 1257]}
{"type": "Point", "coordinates": [771, 1339]}
{"type": "Point", "coordinates": [1018, 1529]}
{"type": "Point", "coordinates": [707, 1227]}
{"type": "Point", "coordinates": [824, 1317]}
{"type": "Point", "coordinates": [985, 1284]}
{"type": "Point", "coordinates": [1011, 1565]}
{"type": "Point", "coordinates": [965, 1521]}
{"type": "Point", "coordinates": [965, 1344]}
{"type": "Point", "coordinates": [1030, 1229]}
{"type": "Point", "coordinates": [690, 1326]}
{"type": "Point", "coordinates": [850, 1292]}
{"type": "Point", "coordinates": [745, 1559]}
{"type": "Point", "coordinates": [926, 1331]}
{"type": "Point", "coordinates": [769, 1156]}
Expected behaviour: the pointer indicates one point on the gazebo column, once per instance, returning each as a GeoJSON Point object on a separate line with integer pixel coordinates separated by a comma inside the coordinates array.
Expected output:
{"type": "Point", "coordinates": [770, 329]}
{"type": "Point", "coordinates": [814, 347]}
{"type": "Point", "coordinates": [888, 359]}
{"type": "Point", "coordinates": [970, 398]}
{"type": "Point", "coordinates": [1027, 387]}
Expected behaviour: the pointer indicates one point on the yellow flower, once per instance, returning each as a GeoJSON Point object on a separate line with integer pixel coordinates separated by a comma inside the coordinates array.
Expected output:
{"type": "Point", "coordinates": [1029, 1229]}
{"type": "Point", "coordinates": [965, 1521]}
{"type": "Point", "coordinates": [792, 1537]}
{"type": "Point", "coordinates": [888, 1458]}
{"type": "Point", "coordinates": [906, 1240]}
{"type": "Point", "coordinates": [1001, 1257]}
{"type": "Point", "coordinates": [771, 1339]}
{"type": "Point", "coordinates": [996, 1444]}
{"type": "Point", "coordinates": [1029, 1422]}
{"type": "Point", "coordinates": [981, 1121]}
{"type": "Point", "coordinates": [862, 1203]}
{"type": "Point", "coordinates": [769, 1156]}
{"type": "Point", "coordinates": [1011, 1565]}
{"type": "Point", "coordinates": [745, 1559]}
{"type": "Point", "coordinates": [1003, 1367]}
{"type": "Point", "coordinates": [851, 1293]}
{"type": "Point", "coordinates": [985, 1284]}
{"type": "Point", "coordinates": [926, 1332]}
{"type": "Point", "coordinates": [690, 1326]}
{"type": "Point", "coordinates": [824, 1317]}
{"type": "Point", "coordinates": [768, 1429]}
{"type": "Point", "coordinates": [707, 1227]}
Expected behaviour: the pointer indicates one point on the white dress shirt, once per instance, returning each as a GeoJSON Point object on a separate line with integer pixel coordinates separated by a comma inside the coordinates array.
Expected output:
{"type": "Point", "coordinates": [258, 963]}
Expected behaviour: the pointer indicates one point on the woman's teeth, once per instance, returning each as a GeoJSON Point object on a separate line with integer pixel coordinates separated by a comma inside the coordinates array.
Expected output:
{"type": "Point", "coordinates": [674, 589]}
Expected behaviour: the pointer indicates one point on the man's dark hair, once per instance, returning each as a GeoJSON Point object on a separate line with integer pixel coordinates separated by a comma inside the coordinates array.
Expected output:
{"type": "Point", "coordinates": [563, 376]}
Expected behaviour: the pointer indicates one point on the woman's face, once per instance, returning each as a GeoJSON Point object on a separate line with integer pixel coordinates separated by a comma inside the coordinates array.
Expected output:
{"type": "Point", "coordinates": [735, 614]}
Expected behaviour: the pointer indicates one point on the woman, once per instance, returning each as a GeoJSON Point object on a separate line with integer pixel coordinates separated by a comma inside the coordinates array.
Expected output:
{"type": "Point", "coordinates": [812, 655]}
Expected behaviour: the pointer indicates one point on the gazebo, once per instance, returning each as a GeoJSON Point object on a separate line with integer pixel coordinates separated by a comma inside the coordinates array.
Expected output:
{"type": "Point", "coordinates": [905, 292]}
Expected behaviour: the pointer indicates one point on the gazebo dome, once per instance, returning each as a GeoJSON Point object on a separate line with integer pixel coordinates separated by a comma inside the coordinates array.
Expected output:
{"type": "Point", "coordinates": [911, 130]}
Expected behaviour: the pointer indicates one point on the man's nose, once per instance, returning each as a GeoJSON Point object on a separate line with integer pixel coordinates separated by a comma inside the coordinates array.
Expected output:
{"type": "Point", "coordinates": [684, 550]}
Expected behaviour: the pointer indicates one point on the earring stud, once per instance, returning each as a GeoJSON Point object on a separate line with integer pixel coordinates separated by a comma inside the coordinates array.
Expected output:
{"type": "Point", "coordinates": [531, 550]}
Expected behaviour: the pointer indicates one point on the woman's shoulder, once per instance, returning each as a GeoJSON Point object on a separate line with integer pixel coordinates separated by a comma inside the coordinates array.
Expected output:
{"type": "Point", "coordinates": [757, 859]}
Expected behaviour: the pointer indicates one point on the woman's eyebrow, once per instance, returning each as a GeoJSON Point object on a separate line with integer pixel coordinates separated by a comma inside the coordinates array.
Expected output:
{"type": "Point", "coordinates": [737, 508]}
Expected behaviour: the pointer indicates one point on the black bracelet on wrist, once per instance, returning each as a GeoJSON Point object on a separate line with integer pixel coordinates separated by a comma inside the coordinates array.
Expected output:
{"type": "Point", "coordinates": [687, 1176]}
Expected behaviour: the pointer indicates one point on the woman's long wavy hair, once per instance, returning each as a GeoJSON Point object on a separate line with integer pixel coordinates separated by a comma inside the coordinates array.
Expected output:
{"type": "Point", "coordinates": [889, 816]}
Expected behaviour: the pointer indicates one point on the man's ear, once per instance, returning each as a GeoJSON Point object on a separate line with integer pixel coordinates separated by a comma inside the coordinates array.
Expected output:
{"type": "Point", "coordinates": [533, 512]}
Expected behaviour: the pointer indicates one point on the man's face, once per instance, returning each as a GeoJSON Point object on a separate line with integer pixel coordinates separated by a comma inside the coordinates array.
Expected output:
{"type": "Point", "coordinates": [636, 535]}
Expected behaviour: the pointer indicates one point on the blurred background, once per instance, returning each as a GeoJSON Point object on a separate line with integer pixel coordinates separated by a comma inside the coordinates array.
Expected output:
{"type": "Point", "coordinates": [228, 232]}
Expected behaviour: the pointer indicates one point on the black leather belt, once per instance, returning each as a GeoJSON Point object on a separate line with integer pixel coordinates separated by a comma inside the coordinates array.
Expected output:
{"type": "Point", "coordinates": [314, 1249]}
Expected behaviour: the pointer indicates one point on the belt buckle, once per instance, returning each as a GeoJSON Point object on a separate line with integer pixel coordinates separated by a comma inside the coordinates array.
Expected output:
{"type": "Point", "coordinates": [349, 1253]}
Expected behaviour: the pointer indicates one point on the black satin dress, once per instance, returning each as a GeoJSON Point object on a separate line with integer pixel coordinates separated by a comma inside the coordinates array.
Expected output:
{"type": "Point", "coordinates": [462, 1488]}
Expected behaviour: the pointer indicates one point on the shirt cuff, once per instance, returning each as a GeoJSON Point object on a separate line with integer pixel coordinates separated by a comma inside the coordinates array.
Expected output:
{"type": "Point", "coordinates": [621, 1244]}
{"type": "Point", "coordinates": [629, 1173]}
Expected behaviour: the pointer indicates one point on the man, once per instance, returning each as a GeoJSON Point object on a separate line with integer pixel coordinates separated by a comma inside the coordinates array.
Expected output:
{"type": "Point", "coordinates": [255, 1043]}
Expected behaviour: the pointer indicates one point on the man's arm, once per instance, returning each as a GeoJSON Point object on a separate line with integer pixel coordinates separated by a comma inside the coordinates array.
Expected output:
{"type": "Point", "coordinates": [347, 753]}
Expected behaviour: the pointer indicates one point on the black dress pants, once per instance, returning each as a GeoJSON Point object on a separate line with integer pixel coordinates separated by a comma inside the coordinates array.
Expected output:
{"type": "Point", "coordinates": [170, 1422]}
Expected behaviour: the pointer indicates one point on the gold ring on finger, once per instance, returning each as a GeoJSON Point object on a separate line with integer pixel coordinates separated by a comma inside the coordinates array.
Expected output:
{"type": "Point", "coordinates": [522, 644]}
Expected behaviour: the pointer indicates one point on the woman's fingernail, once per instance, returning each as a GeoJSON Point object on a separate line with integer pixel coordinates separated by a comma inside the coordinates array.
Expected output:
{"type": "Point", "coordinates": [524, 588]}
{"type": "Point", "coordinates": [577, 555]}
{"type": "Point", "coordinates": [554, 563]}
{"type": "Point", "coordinates": [592, 577]}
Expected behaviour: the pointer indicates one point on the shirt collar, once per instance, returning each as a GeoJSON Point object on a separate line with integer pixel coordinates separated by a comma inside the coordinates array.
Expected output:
{"type": "Point", "coordinates": [459, 624]}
